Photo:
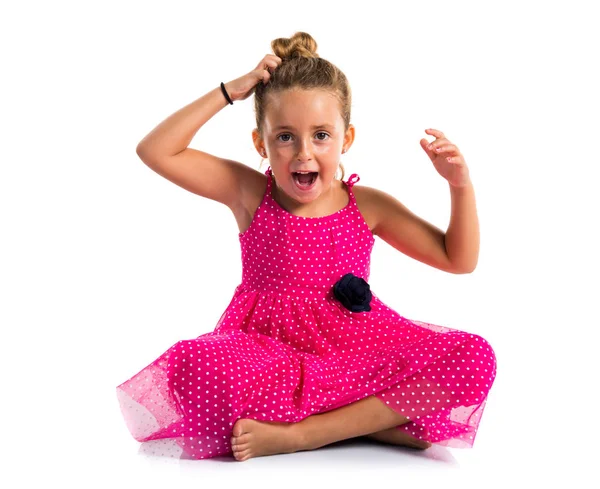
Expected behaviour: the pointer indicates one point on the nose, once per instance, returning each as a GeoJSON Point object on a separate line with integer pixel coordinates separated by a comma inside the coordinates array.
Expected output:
{"type": "Point", "coordinates": [304, 151]}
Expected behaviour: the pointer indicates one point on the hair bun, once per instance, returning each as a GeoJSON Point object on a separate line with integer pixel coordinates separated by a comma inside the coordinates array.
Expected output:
{"type": "Point", "coordinates": [300, 44]}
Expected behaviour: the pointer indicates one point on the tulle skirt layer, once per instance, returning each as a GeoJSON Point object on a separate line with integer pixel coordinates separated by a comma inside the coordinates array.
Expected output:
{"type": "Point", "coordinates": [185, 403]}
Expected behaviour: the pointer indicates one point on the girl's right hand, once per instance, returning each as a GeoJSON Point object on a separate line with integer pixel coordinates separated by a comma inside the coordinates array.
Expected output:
{"type": "Point", "coordinates": [241, 88]}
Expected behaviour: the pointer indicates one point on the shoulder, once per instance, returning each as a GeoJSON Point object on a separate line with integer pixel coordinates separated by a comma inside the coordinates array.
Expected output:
{"type": "Point", "coordinates": [387, 214]}
{"type": "Point", "coordinates": [374, 204]}
{"type": "Point", "coordinates": [405, 231]}
{"type": "Point", "coordinates": [253, 187]}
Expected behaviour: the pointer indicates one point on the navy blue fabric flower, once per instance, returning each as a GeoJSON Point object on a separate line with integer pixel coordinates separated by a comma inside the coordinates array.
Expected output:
{"type": "Point", "coordinates": [353, 292]}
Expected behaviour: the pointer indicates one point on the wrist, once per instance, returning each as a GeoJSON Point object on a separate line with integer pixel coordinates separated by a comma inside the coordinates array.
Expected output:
{"type": "Point", "coordinates": [227, 92]}
{"type": "Point", "coordinates": [465, 184]}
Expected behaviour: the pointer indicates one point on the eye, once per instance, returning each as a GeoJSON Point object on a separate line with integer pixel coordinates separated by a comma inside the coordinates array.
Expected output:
{"type": "Point", "coordinates": [286, 140]}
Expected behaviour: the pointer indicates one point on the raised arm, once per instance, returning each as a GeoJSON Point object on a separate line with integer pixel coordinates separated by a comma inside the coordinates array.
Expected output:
{"type": "Point", "coordinates": [165, 148]}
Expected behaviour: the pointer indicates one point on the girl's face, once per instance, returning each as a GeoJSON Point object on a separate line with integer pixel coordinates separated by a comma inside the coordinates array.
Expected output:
{"type": "Point", "coordinates": [304, 131]}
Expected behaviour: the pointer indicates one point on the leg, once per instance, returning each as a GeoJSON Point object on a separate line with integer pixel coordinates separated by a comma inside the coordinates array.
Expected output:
{"type": "Point", "coordinates": [252, 438]}
{"type": "Point", "coordinates": [360, 418]}
{"type": "Point", "coordinates": [394, 436]}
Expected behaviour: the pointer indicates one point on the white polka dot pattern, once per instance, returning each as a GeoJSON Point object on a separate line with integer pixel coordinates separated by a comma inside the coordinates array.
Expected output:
{"type": "Point", "coordinates": [285, 348]}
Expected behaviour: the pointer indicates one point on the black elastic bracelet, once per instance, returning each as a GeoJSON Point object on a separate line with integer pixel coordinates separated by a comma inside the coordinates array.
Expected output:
{"type": "Point", "coordinates": [225, 93]}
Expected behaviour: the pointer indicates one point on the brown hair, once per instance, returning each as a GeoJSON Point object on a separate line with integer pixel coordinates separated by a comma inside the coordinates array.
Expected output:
{"type": "Point", "coordinates": [302, 68]}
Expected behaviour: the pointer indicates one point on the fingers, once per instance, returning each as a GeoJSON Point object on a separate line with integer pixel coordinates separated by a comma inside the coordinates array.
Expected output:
{"type": "Point", "coordinates": [435, 132]}
{"type": "Point", "coordinates": [270, 61]}
{"type": "Point", "coordinates": [440, 138]}
{"type": "Point", "coordinates": [445, 148]}
{"type": "Point", "coordinates": [425, 146]}
{"type": "Point", "coordinates": [450, 151]}
{"type": "Point", "coordinates": [441, 144]}
{"type": "Point", "coordinates": [439, 135]}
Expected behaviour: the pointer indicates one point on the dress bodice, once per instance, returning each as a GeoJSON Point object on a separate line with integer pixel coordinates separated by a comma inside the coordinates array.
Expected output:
{"type": "Point", "coordinates": [296, 255]}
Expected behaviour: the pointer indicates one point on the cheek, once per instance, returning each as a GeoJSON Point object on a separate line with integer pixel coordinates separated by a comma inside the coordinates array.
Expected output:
{"type": "Point", "coordinates": [279, 149]}
{"type": "Point", "coordinates": [326, 150]}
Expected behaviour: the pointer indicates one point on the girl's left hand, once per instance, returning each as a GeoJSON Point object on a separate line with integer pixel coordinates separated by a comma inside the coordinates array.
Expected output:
{"type": "Point", "coordinates": [446, 159]}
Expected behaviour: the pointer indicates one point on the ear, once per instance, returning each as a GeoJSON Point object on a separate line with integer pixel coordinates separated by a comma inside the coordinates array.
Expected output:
{"type": "Point", "coordinates": [349, 137]}
{"type": "Point", "coordinates": [258, 142]}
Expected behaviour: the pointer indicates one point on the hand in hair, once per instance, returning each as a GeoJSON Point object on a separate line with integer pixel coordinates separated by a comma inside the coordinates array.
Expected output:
{"type": "Point", "coordinates": [241, 88]}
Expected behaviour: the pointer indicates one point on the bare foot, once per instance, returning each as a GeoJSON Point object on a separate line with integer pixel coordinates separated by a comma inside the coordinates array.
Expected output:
{"type": "Point", "coordinates": [394, 436]}
{"type": "Point", "coordinates": [252, 438]}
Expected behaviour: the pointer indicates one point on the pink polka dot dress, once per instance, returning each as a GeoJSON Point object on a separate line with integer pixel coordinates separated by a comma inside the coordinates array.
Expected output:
{"type": "Point", "coordinates": [302, 335]}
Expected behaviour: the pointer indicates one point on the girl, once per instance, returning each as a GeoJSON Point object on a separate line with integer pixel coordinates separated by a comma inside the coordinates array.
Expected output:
{"type": "Point", "coordinates": [305, 353]}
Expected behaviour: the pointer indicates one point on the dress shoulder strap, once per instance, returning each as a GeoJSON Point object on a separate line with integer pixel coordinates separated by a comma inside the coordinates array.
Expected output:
{"type": "Point", "coordinates": [269, 174]}
{"type": "Point", "coordinates": [352, 179]}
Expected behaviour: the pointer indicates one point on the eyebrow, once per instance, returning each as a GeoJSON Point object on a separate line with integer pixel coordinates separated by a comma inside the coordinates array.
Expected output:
{"type": "Point", "coordinates": [312, 127]}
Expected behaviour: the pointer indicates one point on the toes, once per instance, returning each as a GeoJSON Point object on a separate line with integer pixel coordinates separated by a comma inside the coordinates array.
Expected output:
{"type": "Point", "coordinates": [238, 428]}
{"type": "Point", "coordinates": [241, 426]}
{"type": "Point", "coordinates": [240, 447]}
{"type": "Point", "coordinates": [240, 440]}
{"type": "Point", "coordinates": [244, 455]}
{"type": "Point", "coordinates": [237, 441]}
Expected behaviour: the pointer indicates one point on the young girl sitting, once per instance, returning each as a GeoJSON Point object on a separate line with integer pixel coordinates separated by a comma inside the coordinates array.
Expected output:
{"type": "Point", "coordinates": [305, 353]}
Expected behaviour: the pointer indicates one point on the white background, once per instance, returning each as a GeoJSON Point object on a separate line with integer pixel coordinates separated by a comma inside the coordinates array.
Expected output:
{"type": "Point", "coordinates": [105, 264]}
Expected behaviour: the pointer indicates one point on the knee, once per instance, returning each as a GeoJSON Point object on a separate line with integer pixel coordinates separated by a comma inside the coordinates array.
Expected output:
{"type": "Point", "coordinates": [483, 358]}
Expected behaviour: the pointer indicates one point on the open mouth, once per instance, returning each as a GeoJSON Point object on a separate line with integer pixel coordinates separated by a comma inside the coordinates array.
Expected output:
{"type": "Point", "coordinates": [305, 180]}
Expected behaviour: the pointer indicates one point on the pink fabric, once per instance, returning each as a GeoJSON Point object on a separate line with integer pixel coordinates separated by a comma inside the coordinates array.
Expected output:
{"type": "Point", "coordinates": [285, 348]}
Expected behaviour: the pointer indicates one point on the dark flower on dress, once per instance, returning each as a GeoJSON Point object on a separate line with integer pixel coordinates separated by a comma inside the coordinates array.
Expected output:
{"type": "Point", "coordinates": [353, 292]}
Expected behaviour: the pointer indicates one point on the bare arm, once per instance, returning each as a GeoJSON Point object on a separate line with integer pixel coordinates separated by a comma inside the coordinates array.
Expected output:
{"type": "Point", "coordinates": [462, 236]}
{"type": "Point", "coordinates": [165, 148]}
{"type": "Point", "coordinates": [455, 251]}
{"type": "Point", "coordinates": [410, 234]}
{"type": "Point", "coordinates": [175, 133]}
